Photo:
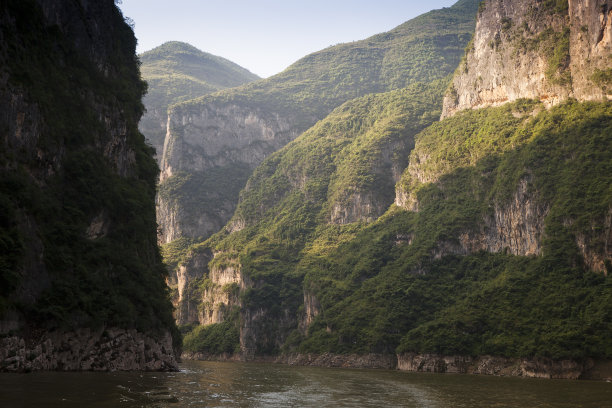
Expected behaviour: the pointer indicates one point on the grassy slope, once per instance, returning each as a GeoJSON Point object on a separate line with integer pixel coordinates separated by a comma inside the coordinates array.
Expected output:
{"type": "Point", "coordinates": [321, 81]}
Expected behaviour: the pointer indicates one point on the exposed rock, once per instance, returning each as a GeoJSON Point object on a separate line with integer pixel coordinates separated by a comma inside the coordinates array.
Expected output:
{"type": "Point", "coordinates": [312, 308]}
{"type": "Point", "coordinates": [386, 361]}
{"type": "Point", "coordinates": [186, 304]}
{"type": "Point", "coordinates": [519, 51]}
{"type": "Point", "coordinates": [214, 136]}
{"type": "Point", "coordinates": [109, 349]}
{"type": "Point", "coordinates": [491, 365]}
{"type": "Point", "coordinates": [516, 226]}
{"type": "Point", "coordinates": [222, 294]}
{"type": "Point", "coordinates": [203, 136]}
{"type": "Point", "coordinates": [597, 249]}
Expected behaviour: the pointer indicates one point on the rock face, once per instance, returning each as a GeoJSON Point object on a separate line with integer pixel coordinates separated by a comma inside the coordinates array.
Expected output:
{"type": "Point", "coordinates": [515, 227]}
{"type": "Point", "coordinates": [188, 298]}
{"type": "Point", "coordinates": [227, 140]}
{"type": "Point", "coordinates": [111, 349]}
{"type": "Point", "coordinates": [177, 72]}
{"type": "Point", "coordinates": [535, 50]}
{"type": "Point", "coordinates": [489, 365]}
{"type": "Point", "coordinates": [77, 188]}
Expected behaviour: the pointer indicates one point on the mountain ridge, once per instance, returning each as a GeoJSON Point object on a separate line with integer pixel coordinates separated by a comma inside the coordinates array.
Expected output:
{"type": "Point", "coordinates": [176, 72]}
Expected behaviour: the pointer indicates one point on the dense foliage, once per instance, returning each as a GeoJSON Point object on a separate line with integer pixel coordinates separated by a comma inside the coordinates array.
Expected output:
{"type": "Point", "coordinates": [215, 339]}
{"type": "Point", "coordinates": [51, 193]}
{"type": "Point", "coordinates": [316, 220]}
{"type": "Point", "coordinates": [386, 288]}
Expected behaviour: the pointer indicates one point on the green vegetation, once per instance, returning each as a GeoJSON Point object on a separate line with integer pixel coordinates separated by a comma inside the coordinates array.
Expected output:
{"type": "Point", "coordinates": [378, 292]}
{"type": "Point", "coordinates": [320, 173]}
{"type": "Point", "coordinates": [312, 87]}
{"type": "Point", "coordinates": [216, 338]}
{"type": "Point", "coordinates": [213, 192]}
{"type": "Point", "coordinates": [52, 188]}
{"type": "Point", "coordinates": [379, 285]}
{"type": "Point", "coordinates": [177, 72]}
{"type": "Point", "coordinates": [319, 220]}
{"type": "Point", "coordinates": [602, 78]}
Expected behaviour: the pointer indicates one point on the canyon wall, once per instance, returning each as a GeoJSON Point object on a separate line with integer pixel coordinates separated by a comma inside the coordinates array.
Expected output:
{"type": "Point", "coordinates": [544, 50]}
{"type": "Point", "coordinates": [77, 191]}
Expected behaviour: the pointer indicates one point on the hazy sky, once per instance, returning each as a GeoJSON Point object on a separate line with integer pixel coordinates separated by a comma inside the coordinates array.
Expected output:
{"type": "Point", "coordinates": [266, 36]}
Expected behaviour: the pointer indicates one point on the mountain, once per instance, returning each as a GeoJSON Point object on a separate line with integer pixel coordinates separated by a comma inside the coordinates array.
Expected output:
{"type": "Point", "coordinates": [82, 283]}
{"type": "Point", "coordinates": [417, 49]}
{"type": "Point", "coordinates": [216, 141]}
{"type": "Point", "coordinates": [176, 72]}
{"type": "Point", "coordinates": [476, 243]}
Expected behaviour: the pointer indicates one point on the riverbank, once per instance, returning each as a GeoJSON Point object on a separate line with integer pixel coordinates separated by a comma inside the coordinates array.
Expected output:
{"type": "Point", "coordinates": [588, 369]}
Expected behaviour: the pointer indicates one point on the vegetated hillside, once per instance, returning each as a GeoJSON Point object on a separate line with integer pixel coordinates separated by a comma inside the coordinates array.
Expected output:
{"type": "Point", "coordinates": [80, 270]}
{"type": "Point", "coordinates": [217, 140]}
{"type": "Point", "coordinates": [313, 194]}
{"type": "Point", "coordinates": [499, 241]}
{"type": "Point", "coordinates": [449, 278]}
{"type": "Point", "coordinates": [176, 72]}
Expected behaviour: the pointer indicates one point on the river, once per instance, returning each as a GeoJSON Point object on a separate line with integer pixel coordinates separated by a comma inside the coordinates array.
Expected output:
{"type": "Point", "coordinates": [211, 384]}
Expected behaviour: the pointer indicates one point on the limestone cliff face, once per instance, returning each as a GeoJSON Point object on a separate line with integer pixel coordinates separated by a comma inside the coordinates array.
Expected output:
{"type": "Point", "coordinates": [532, 49]}
{"type": "Point", "coordinates": [516, 226]}
{"type": "Point", "coordinates": [226, 139]}
{"type": "Point", "coordinates": [217, 134]}
{"type": "Point", "coordinates": [188, 297]}
{"type": "Point", "coordinates": [206, 291]}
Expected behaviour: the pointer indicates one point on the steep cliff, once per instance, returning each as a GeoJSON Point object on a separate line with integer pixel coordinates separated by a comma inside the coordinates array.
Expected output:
{"type": "Point", "coordinates": [78, 232]}
{"type": "Point", "coordinates": [545, 50]}
{"type": "Point", "coordinates": [177, 72]}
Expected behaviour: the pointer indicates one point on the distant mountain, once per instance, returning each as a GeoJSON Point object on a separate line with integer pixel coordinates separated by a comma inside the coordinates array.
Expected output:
{"type": "Point", "coordinates": [177, 72]}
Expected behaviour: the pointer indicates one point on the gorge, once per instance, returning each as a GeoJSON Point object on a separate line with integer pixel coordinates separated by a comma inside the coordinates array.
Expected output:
{"type": "Point", "coordinates": [435, 219]}
{"type": "Point", "coordinates": [434, 198]}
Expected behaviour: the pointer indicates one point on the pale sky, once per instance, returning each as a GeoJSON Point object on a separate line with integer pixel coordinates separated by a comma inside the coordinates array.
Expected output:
{"type": "Point", "coordinates": [266, 36]}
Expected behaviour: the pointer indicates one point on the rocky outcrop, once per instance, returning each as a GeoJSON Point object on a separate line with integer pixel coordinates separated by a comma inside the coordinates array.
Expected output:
{"type": "Point", "coordinates": [516, 227]}
{"type": "Point", "coordinates": [110, 349]}
{"type": "Point", "coordinates": [222, 293]}
{"type": "Point", "coordinates": [596, 249]}
{"type": "Point", "coordinates": [183, 279]}
{"type": "Point", "coordinates": [206, 291]}
{"type": "Point", "coordinates": [312, 308]}
{"type": "Point", "coordinates": [385, 361]}
{"type": "Point", "coordinates": [490, 365]}
{"type": "Point", "coordinates": [537, 50]}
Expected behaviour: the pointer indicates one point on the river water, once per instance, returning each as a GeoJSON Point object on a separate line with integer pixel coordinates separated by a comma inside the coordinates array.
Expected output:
{"type": "Point", "coordinates": [211, 384]}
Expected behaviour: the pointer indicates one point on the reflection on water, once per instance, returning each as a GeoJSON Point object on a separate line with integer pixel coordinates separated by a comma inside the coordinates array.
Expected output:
{"type": "Point", "coordinates": [208, 384]}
